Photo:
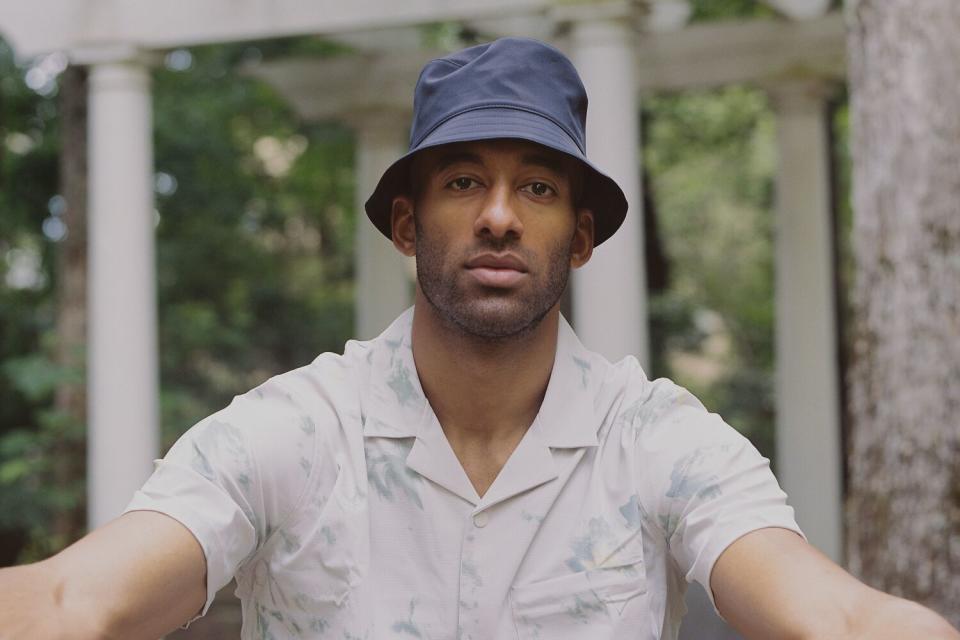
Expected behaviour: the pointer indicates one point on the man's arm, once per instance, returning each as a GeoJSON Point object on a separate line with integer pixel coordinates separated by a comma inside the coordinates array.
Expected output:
{"type": "Point", "coordinates": [770, 585]}
{"type": "Point", "coordinates": [140, 576]}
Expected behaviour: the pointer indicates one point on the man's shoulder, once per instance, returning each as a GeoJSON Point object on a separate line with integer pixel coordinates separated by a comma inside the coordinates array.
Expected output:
{"type": "Point", "coordinates": [331, 380]}
{"type": "Point", "coordinates": [330, 393]}
{"type": "Point", "coordinates": [619, 397]}
{"type": "Point", "coordinates": [658, 413]}
{"type": "Point", "coordinates": [319, 398]}
{"type": "Point", "coordinates": [626, 381]}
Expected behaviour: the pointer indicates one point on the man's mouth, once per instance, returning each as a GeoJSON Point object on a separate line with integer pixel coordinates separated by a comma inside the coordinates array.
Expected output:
{"type": "Point", "coordinates": [497, 270]}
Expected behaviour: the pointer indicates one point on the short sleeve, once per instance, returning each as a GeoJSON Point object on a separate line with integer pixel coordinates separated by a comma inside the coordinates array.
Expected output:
{"type": "Point", "coordinates": [235, 477]}
{"type": "Point", "coordinates": [707, 484]}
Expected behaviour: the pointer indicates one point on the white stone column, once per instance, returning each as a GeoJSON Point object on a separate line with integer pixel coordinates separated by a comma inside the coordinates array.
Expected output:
{"type": "Point", "coordinates": [123, 429]}
{"type": "Point", "coordinates": [807, 386]}
{"type": "Point", "coordinates": [610, 292]}
{"type": "Point", "coordinates": [383, 286]}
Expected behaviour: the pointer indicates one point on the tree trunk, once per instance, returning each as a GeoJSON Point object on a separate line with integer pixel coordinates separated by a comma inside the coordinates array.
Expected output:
{"type": "Point", "coordinates": [70, 397]}
{"type": "Point", "coordinates": [903, 505]}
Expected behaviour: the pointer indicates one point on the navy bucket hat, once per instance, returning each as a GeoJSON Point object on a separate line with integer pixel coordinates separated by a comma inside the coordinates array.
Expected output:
{"type": "Point", "coordinates": [511, 88]}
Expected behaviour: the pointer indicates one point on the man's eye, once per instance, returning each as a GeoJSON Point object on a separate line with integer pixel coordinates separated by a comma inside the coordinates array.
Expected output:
{"type": "Point", "coordinates": [540, 189]}
{"type": "Point", "coordinates": [462, 184]}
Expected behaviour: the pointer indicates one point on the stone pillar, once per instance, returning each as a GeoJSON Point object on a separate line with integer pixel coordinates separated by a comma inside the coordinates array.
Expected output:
{"type": "Point", "coordinates": [383, 286]}
{"type": "Point", "coordinates": [123, 432]}
{"type": "Point", "coordinates": [610, 292]}
{"type": "Point", "coordinates": [807, 387]}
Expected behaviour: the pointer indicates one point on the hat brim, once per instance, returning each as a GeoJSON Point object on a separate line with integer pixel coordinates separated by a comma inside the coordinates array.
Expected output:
{"type": "Point", "coordinates": [601, 194]}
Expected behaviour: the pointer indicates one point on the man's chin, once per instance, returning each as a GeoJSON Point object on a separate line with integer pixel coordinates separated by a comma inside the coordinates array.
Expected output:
{"type": "Point", "coordinates": [496, 319]}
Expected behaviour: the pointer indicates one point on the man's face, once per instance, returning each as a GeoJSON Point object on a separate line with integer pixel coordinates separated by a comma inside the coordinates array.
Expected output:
{"type": "Point", "coordinates": [495, 233]}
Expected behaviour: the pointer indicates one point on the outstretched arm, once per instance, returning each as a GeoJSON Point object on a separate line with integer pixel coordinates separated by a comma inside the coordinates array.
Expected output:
{"type": "Point", "coordinates": [770, 584]}
{"type": "Point", "coordinates": [140, 576]}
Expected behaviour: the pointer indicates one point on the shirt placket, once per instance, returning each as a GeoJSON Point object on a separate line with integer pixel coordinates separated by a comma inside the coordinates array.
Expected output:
{"type": "Point", "coordinates": [474, 575]}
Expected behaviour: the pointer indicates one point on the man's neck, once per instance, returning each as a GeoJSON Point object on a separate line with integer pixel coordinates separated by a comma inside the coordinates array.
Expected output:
{"type": "Point", "coordinates": [485, 393]}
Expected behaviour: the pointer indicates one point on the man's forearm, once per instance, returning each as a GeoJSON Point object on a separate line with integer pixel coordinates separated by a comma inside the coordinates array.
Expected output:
{"type": "Point", "coordinates": [32, 605]}
{"type": "Point", "coordinates": [885, 617]}
{"type": "Point", "coordinates": [136, 578]}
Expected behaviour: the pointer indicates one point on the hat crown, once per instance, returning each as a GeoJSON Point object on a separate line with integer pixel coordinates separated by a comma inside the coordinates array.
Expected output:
{"type": "Point", "coordinates": [518, 73]}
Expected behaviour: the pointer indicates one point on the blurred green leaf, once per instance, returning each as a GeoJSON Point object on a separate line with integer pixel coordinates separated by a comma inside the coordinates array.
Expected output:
{"type": "Point", "coordinates": [36, 376]}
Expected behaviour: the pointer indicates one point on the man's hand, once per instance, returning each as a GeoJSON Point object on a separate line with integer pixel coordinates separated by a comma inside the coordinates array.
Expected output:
{"type": "Point", "coordinates": [770, 584]}
{"type": "Point", "coordinates": [139, 576]}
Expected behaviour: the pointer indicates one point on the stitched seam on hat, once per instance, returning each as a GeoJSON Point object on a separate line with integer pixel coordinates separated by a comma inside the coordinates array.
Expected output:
{"type": "Point", "coordinates": [458, 65]}
{"type": "Point", "coordinates": [500, 106]}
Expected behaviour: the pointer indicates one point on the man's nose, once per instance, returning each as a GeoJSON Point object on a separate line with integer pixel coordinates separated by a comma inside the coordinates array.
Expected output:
{"type": "Point", "coordinates": [498, 217]}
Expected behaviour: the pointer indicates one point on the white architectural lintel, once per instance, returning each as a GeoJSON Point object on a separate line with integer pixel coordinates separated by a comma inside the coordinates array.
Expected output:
{"type": "Point", "coordinates": [363, 81]}
{"type": "Point", "coordinates": [763, 52]}
{"type": "Point", "coordinates": [113, 52]}
{"type": "Point", "coordinates": [715, 54]}
{"type": "Point", "coordinates": [41, 26]}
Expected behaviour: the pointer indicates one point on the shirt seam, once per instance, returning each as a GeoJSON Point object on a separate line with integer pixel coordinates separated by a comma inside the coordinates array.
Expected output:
{"type": "Point", "coordinates": [307, 484]}
{"type": "Point", "coordinates": [674, 504]}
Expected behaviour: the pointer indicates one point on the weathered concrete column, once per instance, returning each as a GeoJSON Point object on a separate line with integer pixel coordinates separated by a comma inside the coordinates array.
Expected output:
{"type": "Point", "coordinates": [807, 391]}
{"type": "Point", "coordinates": [383, 288]}
{"type": "Point", "coordinates": [123, 433]}
{"type": "Point", "coordinates": [610, 292]}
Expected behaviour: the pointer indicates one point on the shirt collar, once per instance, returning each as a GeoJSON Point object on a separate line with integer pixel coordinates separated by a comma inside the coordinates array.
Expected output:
{"type": "Point", "coordinates": [392, 401]}
{"type": "Point", "coordinates": [569, 416]}
{"type": "Point", "coordinates": [394, 405]}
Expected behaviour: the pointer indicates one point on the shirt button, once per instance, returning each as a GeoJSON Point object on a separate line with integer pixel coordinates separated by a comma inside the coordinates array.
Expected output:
{"type": "Point", "coordinates": [481, 519]}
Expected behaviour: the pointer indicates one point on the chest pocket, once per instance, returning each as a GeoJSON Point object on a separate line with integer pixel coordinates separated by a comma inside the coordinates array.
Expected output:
{"type": "Point", "coordinates": [604, 603]}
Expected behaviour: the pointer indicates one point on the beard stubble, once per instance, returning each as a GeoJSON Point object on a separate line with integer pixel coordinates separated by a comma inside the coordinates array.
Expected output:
{"type": "Point", "coordinates": [491, 315]}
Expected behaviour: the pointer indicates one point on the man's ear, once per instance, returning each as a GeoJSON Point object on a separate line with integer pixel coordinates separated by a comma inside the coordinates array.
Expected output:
{"type": "Point", "coordinates": [581, 247]}
{"type": "Point", "coordinates": [402, 227]}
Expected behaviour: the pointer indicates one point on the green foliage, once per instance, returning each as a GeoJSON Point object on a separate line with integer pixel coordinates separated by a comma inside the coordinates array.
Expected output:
{"type": "Point", "coordinates": [711, 157]}
{"type": "Point", "coordinates": [844, 207]}
{"type": "Point", "coordinates": [711, 160]}
{"type": "Point", "coordinates": [36, 376]}
{"type": "Point", "coordinates": [28, 426]}
{"type": "Point", "coordinates": [254, 259]}
{"type": "Point", "coordinates": [29, 454]}
{"type": "Point", "coordinates": [704, 10]}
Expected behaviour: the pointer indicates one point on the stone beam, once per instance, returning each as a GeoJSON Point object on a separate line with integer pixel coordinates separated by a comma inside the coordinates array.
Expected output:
{"type": "Point", "coordinates": [331, 88]}
{"type": "Point", "coordinates": [697, 57]}
{"type": "Point", "coordinates": [714, 54]}
{"type": "Point", "coordinates": [41, 26]}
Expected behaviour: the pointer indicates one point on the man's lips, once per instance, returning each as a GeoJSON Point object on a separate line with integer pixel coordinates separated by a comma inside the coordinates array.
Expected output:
{"type": "Point", "coordinates": [497, 270]}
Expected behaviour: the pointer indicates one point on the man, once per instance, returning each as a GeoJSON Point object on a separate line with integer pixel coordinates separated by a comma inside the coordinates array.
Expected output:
{"type": "Point", "coordinates": [474, 472]}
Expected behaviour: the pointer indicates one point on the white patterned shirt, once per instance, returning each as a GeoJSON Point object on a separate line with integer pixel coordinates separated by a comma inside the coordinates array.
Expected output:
{"type": "Point", "coordinates": [332, 495]}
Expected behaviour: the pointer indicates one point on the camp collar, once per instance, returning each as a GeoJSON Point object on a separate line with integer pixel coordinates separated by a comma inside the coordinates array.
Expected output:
{"type": "Point", "coordinates": [394, 405]}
